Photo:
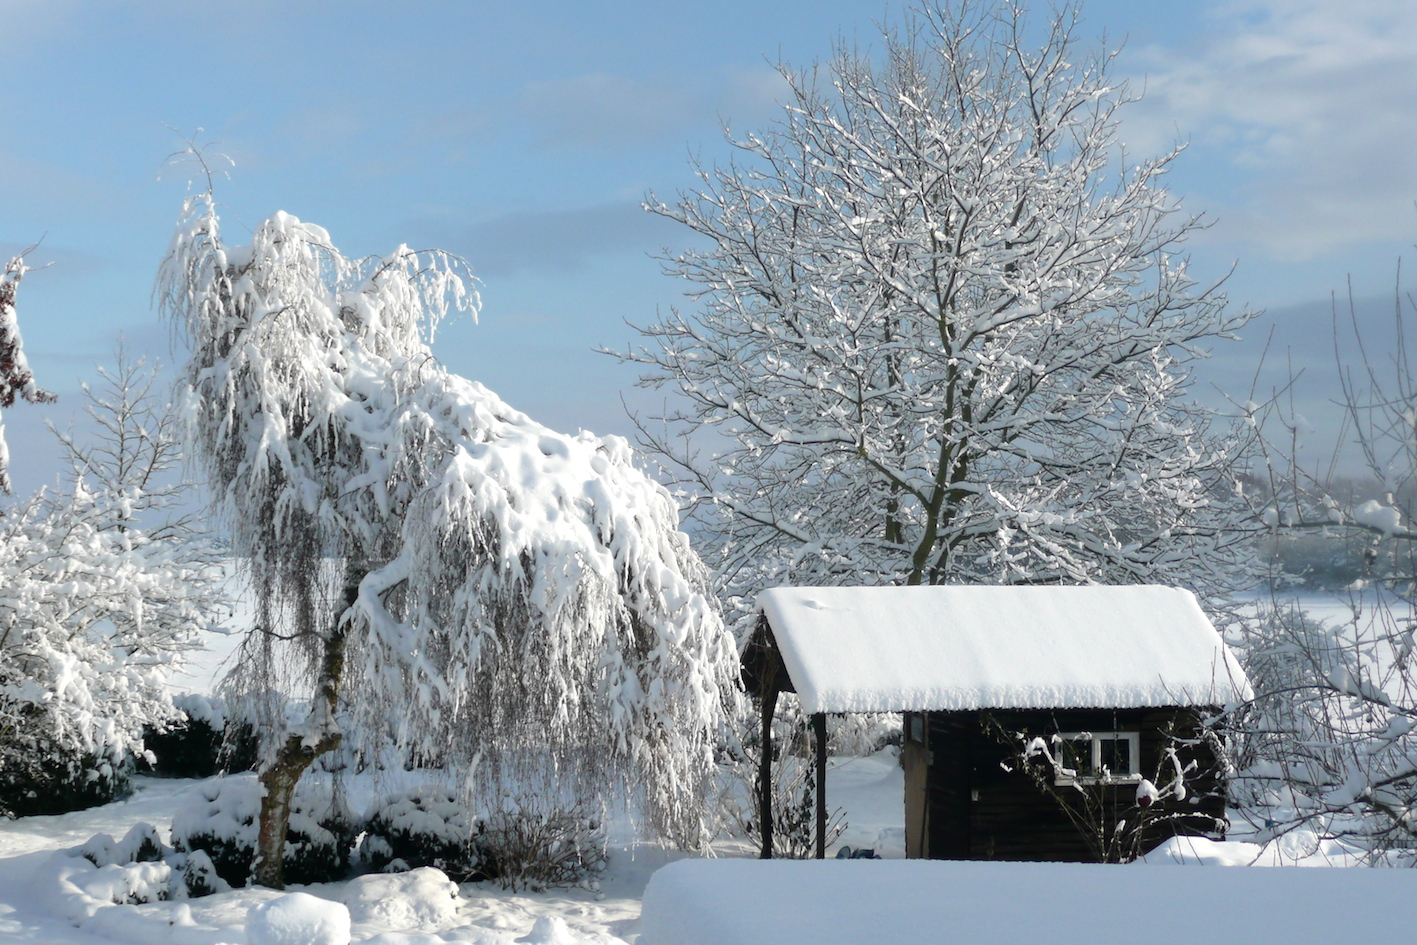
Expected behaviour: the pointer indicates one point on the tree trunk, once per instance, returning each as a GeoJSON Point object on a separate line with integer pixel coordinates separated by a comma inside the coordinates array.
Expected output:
{"type": "Point", "coordinates": [299, 752]}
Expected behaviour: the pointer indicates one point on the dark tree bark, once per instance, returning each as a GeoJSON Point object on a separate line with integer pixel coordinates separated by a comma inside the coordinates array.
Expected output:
{"type": "Point", "coordinates": [297, 754]}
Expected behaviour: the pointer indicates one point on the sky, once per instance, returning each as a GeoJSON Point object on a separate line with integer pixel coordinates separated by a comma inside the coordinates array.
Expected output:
{"type": "Point", "coordinates": [525, 137]}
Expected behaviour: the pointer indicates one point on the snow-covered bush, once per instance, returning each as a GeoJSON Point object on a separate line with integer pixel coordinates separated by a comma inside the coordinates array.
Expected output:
{"type": "Point", "coordinates": [39, 774]}
{"type": "Point", "coordinates": [140, 868]}
{"type": "Point", "coordinates": [420, 898]}
{"type": "Point", "coordinates": [298, 919]}
{"type": "Point", "coordinates": [223, 823]}
{"type": "Point", "coordinates": [194, 875]}
{"type": "Point", "coordinates": [200, 742]}
{"type": "Point", "coordinates": [140, 844]}
{"type": "Point", "coordinates": [122, 883]}
{"type": "Point", "coordinates": [136, 869]}
{"type": "Point", "coordinates": [528, 843]}
{"type": "Point", "coordinates": [427, 828]}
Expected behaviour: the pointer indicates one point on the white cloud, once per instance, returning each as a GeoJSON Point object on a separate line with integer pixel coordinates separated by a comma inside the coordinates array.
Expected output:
{"type": "Point", "coordinates": [1312, 104]}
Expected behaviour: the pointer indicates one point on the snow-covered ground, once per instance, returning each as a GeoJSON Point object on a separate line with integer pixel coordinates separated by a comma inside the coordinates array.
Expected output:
{"type": "Point", "coordinates": [787, 902]}
{"type": "Point", "coordinates": [49, 894]}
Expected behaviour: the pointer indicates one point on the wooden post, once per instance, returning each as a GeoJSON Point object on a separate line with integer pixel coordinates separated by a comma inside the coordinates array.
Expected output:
{"type": "Point", "coordinates": [819, 729]}
{"type": "Point", "coordinates": [769, 705]}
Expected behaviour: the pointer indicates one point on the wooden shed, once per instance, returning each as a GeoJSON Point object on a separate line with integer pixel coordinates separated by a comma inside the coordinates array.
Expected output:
{"type": "Point", "coordinates": [1040, 723]}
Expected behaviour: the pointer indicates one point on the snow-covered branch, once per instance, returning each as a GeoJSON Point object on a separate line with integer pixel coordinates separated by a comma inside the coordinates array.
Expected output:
{"type": "Point", "coordinates": [16, 378]}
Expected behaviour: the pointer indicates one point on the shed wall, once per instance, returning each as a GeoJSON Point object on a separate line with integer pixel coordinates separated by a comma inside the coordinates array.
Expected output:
{"type": "Point", "coordinates": [976, 809]}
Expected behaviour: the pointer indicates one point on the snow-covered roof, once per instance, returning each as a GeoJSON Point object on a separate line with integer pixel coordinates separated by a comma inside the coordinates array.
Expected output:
{"type": "Point", "coordinates": [892, 649]}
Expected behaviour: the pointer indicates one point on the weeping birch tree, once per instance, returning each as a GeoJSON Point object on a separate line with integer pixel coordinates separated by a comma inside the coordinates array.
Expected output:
{"type": "Point", "coordinates": [940, 331]}
{"type": "Point", "coordinates": [430, 566]}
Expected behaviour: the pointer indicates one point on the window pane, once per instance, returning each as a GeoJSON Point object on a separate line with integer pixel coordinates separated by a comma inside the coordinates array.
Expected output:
{"type": "Point", "coordinates": [1116, 756]}
{"type": "Point", "coordinates": [1076, 755]}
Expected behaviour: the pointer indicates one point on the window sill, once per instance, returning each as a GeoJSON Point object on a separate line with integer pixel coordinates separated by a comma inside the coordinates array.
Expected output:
{"type": "Point", "coordinates": [1104, 782]}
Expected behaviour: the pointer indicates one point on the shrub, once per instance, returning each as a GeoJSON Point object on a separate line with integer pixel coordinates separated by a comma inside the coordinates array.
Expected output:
{"type": "Point", "coordinates": [794, 780]}
{"type": "Point", "coordinates": [140, 844]}
{"type": "Point", "coordinates": [202, 743]}
{"type": "Point", "coordinates": [545, 846]}
{"type": "Point", "coordinates": [199, 875]}
{"type": "Point", "coordinates": [426, 828]}
{"type": "Point", "coordinates": [37, 776]}
{"type": "Point", "coordinates": [536, 847]}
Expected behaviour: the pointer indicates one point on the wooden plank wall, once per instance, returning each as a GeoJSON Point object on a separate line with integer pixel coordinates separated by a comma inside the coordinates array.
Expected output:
{"type": "Point", "coordinates": [978, 810]}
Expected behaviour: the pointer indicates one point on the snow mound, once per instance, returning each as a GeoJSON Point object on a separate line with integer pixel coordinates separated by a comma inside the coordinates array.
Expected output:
{"type": "Point", "coordinates": [423, 899]}
{"type": "Point", "coordinates": [298, 919]}
{"type": "Point", "coordinates": [550, 930]}
{"type": "Point", "coordinates": [140, 844]}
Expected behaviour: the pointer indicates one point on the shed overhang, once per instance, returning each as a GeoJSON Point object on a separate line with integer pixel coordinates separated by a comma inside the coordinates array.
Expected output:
{"type": "Point", "coordinates": [947, 648]}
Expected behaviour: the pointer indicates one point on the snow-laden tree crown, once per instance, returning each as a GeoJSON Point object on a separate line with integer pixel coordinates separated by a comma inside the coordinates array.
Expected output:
{"type": "Point", "coordinates": [519, 604]}
{"type": "Point", "coordinates": [105, 586]}
{"type": "Point", "coordinates": [939, 334]}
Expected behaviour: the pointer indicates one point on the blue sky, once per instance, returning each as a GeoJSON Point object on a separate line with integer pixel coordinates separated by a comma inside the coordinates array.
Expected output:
{"type": "Point", "coordinates": [524, 136]}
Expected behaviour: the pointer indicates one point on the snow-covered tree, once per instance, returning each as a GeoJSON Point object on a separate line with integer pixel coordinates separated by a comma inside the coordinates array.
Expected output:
{"type": "Point", "coordinates": [104, 588]}
{"type": "Point", "coordinates": [516, 604]}
{"type": "Point", "coordinates": [939, 332]}
{"type": "Point", "coordinates": [1331, 741]}
{"type": "Point", "coordinates": [16, 378]}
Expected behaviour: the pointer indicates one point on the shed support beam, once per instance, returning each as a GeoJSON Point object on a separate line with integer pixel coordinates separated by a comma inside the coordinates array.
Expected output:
{"type": "Point", "coordinates": [819, 729]}
{"type": "Point", "coordinates": [769, 705]}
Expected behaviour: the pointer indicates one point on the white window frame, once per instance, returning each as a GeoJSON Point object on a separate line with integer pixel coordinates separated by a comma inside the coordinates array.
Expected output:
{"type": "Point", "coordinates": [1068, 776]}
